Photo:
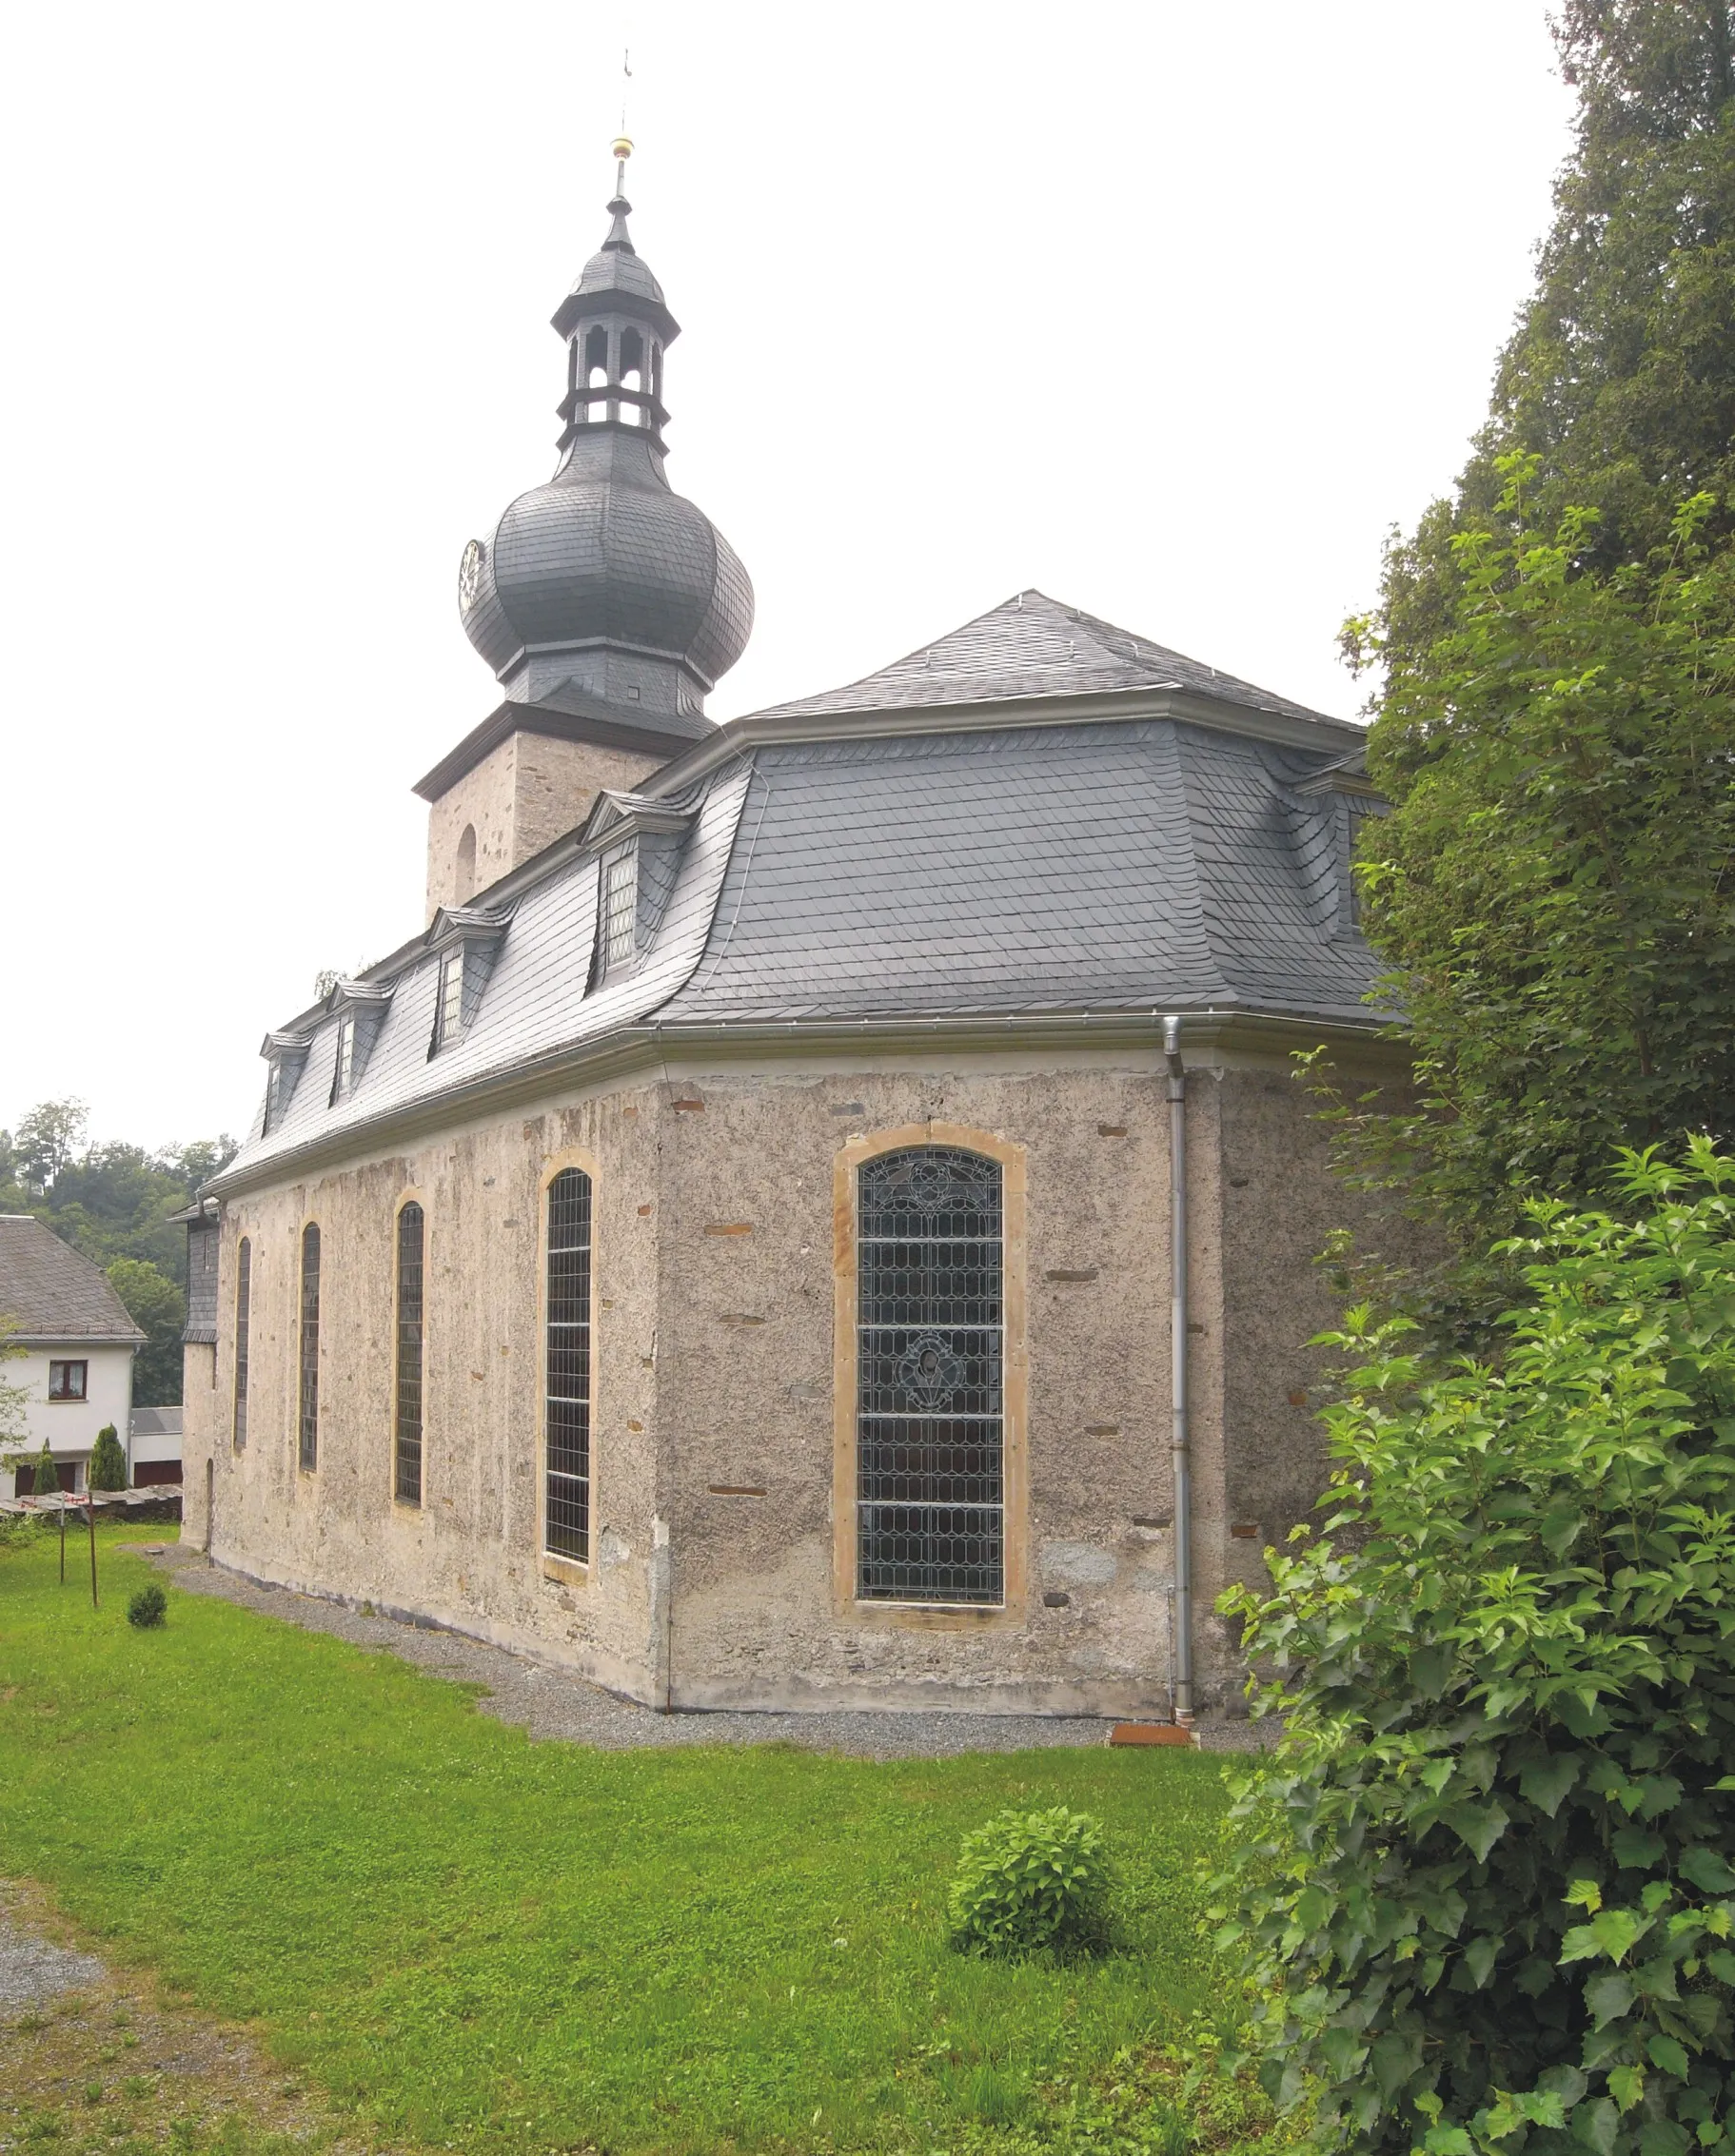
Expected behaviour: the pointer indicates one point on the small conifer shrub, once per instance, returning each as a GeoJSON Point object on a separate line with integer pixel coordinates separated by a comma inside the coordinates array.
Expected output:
{"type": "Point", "coordinates": [48, 1475]}
{"type": "Point", "coordinates": [108, 1461]}
{"type": "Point", "coordinates": [148, 1607]}
{"type": "Point", "coordinates": [1032, 1880]}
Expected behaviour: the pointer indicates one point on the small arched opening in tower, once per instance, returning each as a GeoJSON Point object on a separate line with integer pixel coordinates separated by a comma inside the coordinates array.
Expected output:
{"type": "Point", "coordinates": [464, 880]}
{"type": "Point", "coordinates": [596, 369]}
{"type": "Point", "coordinates": [632, 375]}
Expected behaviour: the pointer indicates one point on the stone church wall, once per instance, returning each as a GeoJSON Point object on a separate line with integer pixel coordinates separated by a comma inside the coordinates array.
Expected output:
{"type": "Point", "coordinates": [716, 1580]}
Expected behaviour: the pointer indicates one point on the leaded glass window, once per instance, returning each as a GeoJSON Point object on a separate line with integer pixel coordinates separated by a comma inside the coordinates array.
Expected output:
{"type": "Point", "coordinates": [449, 1019]}
{"type": "Point", "coordinates": [619, 904]}
{"type": "Point", "coordinates": [567, 1494]}
{"type": "Point", "coordinates": [930, 1420]}
{"type": "Point", "coordinates": [243, 1320]}
{"type": "Point", "coordinates": [406, 1472]}
{"type": "Point", "coordinates": [310, 1347]}
{"type": "Point", "coordinates": [344, 1077]}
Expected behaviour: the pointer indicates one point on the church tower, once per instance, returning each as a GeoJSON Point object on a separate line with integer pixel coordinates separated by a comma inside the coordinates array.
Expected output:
{"type": "Point", "coordinates": [607, 604]}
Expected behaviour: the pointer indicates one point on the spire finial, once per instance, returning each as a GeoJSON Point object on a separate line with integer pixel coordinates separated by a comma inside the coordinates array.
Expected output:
{"type": "Point", "coordinates": [618, 208]}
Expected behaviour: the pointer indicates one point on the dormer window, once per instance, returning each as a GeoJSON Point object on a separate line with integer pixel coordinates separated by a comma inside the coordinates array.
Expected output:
{"type": "Point", "coordinates": [619, 905]}
{"type": "Point", "coordinates": [360, 1007]}
{"type": "Point", "coordinates": [466, 939]}
{"type": "Point", "coordinates": [345, 1055]}
{"type": "Point", "coordinates": [285, 1056]}
{"type": "Point", "coordinates": [449, 1022]}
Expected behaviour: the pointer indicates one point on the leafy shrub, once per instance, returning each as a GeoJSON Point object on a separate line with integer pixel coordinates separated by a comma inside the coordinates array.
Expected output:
{"type": "Point", "coordinates": [148, 1607]}
{"type": "Point", "coordinates": [107, 1470]}
{"type": "Point", "coordinates": [1029, 1880]}
{"type": "Point", "coordinates": [1488, 1890]}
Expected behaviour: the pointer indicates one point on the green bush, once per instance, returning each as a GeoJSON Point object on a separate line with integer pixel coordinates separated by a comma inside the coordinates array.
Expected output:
{"type": "Point", "coordinates": [1029, 1880]}
{"type": "Point", "coordinates": [48, 1475]}
{"type": "Point", "coordinates": [107, 1470]}
{"type": "Point", "coordinates": [148, 1607]}
{"type": "Point", "coordinates": [1488, 1892]}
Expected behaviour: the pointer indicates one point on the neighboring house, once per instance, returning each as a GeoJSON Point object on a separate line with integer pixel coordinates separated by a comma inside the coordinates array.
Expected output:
{"type": "Point", "coordinates": [79, 1344]}
{"type": "Point", "coordinates": [728, 1251]}
{"type": "Point", "coordinates": [153, 1455]}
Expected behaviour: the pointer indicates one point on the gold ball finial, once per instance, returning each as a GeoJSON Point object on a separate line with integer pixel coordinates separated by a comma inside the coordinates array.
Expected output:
{"type": "Point", "coordinates": [623, 147]}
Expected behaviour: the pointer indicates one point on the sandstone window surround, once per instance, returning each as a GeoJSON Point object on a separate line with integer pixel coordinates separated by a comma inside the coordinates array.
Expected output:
{"type": "Point", "coordinates": [407, 1390]}
{"type": "Point", "coordinates": [467, 940]}
{"type": "Point", "coordinates": [569, 1367]}
{"type": "Point", "coordinates": [243, 1319]}
{"type": "Point", "coordinates": [307, 1402]}
{"type": "Point", "coordinates": [916, 1498]}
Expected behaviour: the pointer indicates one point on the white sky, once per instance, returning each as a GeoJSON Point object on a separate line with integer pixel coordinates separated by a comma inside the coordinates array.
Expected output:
{"type": "Point", "coordinates": [1170, 309]}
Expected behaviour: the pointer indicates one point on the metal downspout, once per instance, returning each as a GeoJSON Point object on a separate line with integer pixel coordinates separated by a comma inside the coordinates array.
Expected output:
{"type": "Point", "coordinates": [1180, 1453]}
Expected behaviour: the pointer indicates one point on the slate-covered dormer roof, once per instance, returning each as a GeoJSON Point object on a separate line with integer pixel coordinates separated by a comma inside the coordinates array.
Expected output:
{"type": "Point", "coordinates": [1037, 819]}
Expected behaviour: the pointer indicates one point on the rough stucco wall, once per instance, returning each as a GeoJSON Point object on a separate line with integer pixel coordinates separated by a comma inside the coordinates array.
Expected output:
{"type": "Point", "coordinates": [745, 1393]}
{"type": "Point", "coordinates": [470, 1554]}
{"type": "Point", "coordinates": [1280, 1202]}
{"type": "Point", "coordinates": [202, 1413]}
{"type": "Point", "coordinates": [713, 1342]}
{"type": "Point", "coordinates": [522, 797]}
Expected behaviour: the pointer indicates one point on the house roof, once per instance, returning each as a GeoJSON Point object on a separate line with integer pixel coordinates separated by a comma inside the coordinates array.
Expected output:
{"type": "Point", "coordinates": [1141, 835]}
{"type": "Point", "coordinates": [50, 1293]}
{"type": "Point", "coordinates": [1033, 645]}
{"type": "Point", "coordinates": [156, 1423]}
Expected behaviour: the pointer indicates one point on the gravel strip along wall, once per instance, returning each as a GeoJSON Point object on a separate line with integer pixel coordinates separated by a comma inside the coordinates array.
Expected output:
{"type": "Point", "coordinates": [551, 1703]}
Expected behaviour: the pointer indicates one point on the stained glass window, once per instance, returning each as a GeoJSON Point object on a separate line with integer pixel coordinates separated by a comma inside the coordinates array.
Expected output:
{"type": "Point", "coordinates": [310, 1347]}
{"type": "Point", "coordinates": [243, 1320]}
{"type": "Point", "coordinates": [566, 1496]}
{"type": "Point", "coordinates": [930, 1428]}
{"type": "Point", "coordinates": [406, 1473]}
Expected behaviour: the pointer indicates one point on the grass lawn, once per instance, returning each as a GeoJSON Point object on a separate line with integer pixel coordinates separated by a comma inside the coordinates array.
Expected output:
{"type": "Point", "coordinates": [490, 1944]}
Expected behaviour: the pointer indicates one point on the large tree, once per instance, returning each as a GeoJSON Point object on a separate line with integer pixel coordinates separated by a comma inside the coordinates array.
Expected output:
{"type": "Point", "coordinates": [1556, 724]}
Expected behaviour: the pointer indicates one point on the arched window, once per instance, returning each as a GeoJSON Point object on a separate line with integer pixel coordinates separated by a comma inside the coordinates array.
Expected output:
{"type": "Point", "coordinates": [566, 1386]}
{"type": "Point", "coordinates": [464, 882]}
{"type": "Point", "coordinates": [929, 1412]}
{"type": "Point", "coordinates": [243, 1320]}
{"type": "Point", "coordinates": [310, 1347]}
{"type": "Point", "coordinates": [406, 1474]}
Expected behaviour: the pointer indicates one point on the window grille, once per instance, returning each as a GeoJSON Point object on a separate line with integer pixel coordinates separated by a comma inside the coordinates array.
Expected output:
{"type": "Point", "coordinates": [619, 904]}
{"type": "Point", "coordinates": [407, 1484]}
{"type": "Point", "coordinates": [310, 1347]}
{"type": "Point", "coordinates": [449, 1024]}
{"type": "Point", "coordinates": [566, 1497]}
{"type": "Point", "coordinates": [346, 1057]}
{"type": "Point", "coordinates": [930, 1427]}
{"type": "Point", "coordinates": [243, 1317]}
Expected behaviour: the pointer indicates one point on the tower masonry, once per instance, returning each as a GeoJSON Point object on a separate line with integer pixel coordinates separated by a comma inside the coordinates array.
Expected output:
{"type": "Point", "coordinates": [607, 604]}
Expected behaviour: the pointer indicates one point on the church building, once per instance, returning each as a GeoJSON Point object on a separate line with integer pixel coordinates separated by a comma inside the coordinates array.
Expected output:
{"type": "Point", "coordinates": [819, 1216]}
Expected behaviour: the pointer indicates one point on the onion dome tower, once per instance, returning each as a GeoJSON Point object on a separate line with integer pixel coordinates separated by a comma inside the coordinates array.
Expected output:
{"type": "Point", "coordinates": [607, 604]}
{"type": "Point", "coordinates": [606, 581]}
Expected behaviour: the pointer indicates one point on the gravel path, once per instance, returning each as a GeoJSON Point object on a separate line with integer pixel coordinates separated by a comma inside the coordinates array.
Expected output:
{"type": "Point", "coordinates": [553, 1703]}
{"type": "Point", "coordinates": [32, 1972]}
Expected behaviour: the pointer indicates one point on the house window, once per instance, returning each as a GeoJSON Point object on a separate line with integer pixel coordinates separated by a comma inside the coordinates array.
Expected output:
{"type": "Point", "coordinates": [449, 1024]}
{"type": "Point", "coordinates": [929, 1414]}
{"type": "Point", "coordinates": [566, 1440]}
{"type": "Point", "coordinates": [406, 1477]}
{"type": "Point", "coordinates": [243, 1319]}
{"type": "Point", "coordinates": [310, 1347]}
{"type": "Point", "coordinates": [346, 1057]}
{"type": "Point", "coordinates": [67, 1381]}
{"type": "Point", "coordinates": [619, 902]}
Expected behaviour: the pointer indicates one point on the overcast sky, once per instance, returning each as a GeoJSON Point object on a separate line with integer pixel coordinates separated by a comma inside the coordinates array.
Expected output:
{"type": "Point", "coordinates": [1170, 309]}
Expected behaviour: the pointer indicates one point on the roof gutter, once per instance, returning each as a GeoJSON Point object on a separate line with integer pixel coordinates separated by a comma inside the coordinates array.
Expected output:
{"type": "Point", "coordinates": [643, 1044]}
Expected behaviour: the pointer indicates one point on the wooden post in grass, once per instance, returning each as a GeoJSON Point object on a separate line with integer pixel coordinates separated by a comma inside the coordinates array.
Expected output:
{"type": "Point", "coordinates": [90, 1509]}
{"type": "Point", "coordinates": [63, 1537]}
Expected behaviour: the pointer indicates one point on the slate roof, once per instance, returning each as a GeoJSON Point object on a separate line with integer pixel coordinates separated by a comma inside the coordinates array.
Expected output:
{"type": "Point", "coordinates": [1036, 646]}
{"type": "Point", "coordinates": [1188, 850]}
{"type": "Point", "coordinates": [50, 1293]}
{"type": "Point", "coordinates": [156, 1423]}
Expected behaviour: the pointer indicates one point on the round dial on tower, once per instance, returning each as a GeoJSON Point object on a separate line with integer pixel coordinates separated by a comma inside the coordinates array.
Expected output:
{"type": "Point", "coordinates": [469, 575]}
